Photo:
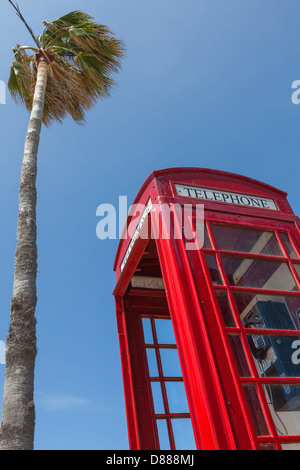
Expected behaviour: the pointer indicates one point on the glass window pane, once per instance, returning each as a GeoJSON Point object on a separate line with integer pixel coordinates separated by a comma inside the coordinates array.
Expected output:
{"type": "Point", "coordinates": [164, 331]}
{"type": "Point", "coordinates": [288, 245]}
{"type": "Point", "coordinates": [266, 311]}
{"type": "Point", "coordinates": [243, 240]}
{"type": "Point", "coordinates": [157, 398]}
{"type": "Point", "coordinates": [276, 356]}
{"type": "Point", "coordinates": [206, 242]}
{"type": "Point", "coordinates": [256, 411]}
{"type": "Point", "coordinates": [148, 336]}
{"type": "Point", "coordinates": [297, 267]}
{"type": "Point", "coordinates": [177, 397]}
{"type": "Point", "coordinates": [260, 274]}
{"type": "Point", "coordinates": [239, 355]}
{"type": "Point", "coordinates": [152, 362]}
{"type": "Point", "coordinates": [289, 446]}
{"type": "Point", "coordinates": [170, 363]}
{"type": "Point", "coordinates": [163, 434]}
{"type": "Point", "coordinates": [284, 405]}
{"type": "Point", "coordinates": [225, 308]}
{"type": "Point", "coordinates": [214, 270]}
{"type": "Point", "coordinates": [267, 447]}
{"type": "Point", "coordinates": [183, 434]}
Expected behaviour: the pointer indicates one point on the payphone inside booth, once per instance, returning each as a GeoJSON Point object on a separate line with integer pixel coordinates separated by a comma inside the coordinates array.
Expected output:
{"type": "Point", "coordinates": [273, 355]}
{"type": "Point", "coordinates": [207, 302]}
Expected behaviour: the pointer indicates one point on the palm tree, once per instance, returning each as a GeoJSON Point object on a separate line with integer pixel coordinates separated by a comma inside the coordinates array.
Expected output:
{"type": "Point", "coordinates": [69, 68]}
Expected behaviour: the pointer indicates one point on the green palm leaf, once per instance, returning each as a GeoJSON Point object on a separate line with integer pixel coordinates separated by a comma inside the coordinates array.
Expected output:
{"type": "Point", "coordinates": [82, 57]}
{"type": "Point", "coordinates": [20, 80]}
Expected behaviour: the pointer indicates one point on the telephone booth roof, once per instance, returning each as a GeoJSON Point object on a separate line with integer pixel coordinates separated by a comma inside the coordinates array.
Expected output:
{"type": "Point", "coordinates": [159, 187]}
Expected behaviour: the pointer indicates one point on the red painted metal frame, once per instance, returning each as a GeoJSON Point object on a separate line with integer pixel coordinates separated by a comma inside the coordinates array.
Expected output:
{"type": "Point", "coordinates": [219, 411]}
{"type": "Point", "coordinates": [199, 374]}
{"type": "Point", "coordinates": [244, 331]}
{"type": "Point", "coordinates": [163, 380]}
{"type": "Point", "coordinates": [132, 418]}
{"type": "Point", "coordinates": [254, 379]}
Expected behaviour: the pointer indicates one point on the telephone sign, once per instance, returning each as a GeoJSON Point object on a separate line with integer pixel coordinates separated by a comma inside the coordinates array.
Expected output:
{"type": "Point", "coordinates": [225, 196]}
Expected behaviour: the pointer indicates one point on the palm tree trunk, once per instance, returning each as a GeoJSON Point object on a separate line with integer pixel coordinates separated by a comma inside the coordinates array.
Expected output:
{"type": "Point", "coordinates": [18, 411]}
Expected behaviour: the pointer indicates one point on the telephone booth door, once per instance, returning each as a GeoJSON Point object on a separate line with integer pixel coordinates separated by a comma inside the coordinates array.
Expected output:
{"type": "Point", "coordinates": [210, 336]}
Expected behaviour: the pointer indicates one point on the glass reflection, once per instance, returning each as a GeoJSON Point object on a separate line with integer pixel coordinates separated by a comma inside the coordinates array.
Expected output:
{"type": "Point", "coordinates": [214, 270]}
{"type": "Point", "coordinates": [225, 308]}
{"type": "Point", "coordinates": [291, 446]}
{"type": "Point", "coordinates": [239, 355]}
{"type": "Point", "coordinates": [288, 245]}
{"type": "Point", "coordinates": [267, 447]}
{"type": "Point", "coordinates": [206, 241]}
{"type": "Point", "coordinates": [297, 267]}
{"type": "Point", "coordinates": [266, 311]}
{"type": "Point", "coordinates": [276, 356]}
{"type": "Point", "coordinates": [284, 405]}
{"type": "Point", "coordinates": [256, 411]}
{"type": "Point", "coordinates": [243, 240]}
{"type": "Point", "coordinates": [260, 274]}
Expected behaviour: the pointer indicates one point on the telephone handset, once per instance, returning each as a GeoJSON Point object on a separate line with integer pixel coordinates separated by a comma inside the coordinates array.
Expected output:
{"type": "Point", "coordinates": [259, 352]}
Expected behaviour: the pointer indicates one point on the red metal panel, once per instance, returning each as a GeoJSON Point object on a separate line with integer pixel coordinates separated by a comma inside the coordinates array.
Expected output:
{"type": "Point", "coordinates": [132, 420]}
{"type": "Point", "coordinates": [208, 410]}
{"type": "Point", "coordinates": [140, 408]}
{"type": "Point", "coordinates": [239, 420]}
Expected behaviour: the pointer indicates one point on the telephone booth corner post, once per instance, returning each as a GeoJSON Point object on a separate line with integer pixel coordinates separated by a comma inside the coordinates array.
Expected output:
{"type": "Point", "coordinates": [209, 336]}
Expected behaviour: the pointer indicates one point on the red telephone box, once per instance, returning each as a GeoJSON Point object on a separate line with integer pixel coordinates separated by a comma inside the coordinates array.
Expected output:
{"type": "Point", "coordinates": [209, 327]}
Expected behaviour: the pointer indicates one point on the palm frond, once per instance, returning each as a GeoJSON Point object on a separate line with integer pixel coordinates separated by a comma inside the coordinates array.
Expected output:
{"type": "Point", "coordinates": [74, 18]}
{"type": "Point", "coordinates": [20, 83]}
{"type": "Point", "coordinates": [82, 57]}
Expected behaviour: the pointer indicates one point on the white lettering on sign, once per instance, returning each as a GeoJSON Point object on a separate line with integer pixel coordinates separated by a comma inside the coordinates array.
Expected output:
{"type": "Point", "coordinates": [225, 196]}
{"type": "Point", "coordinates": [146, 211]}
{"type": "Point", "coordinates": [147, 282]}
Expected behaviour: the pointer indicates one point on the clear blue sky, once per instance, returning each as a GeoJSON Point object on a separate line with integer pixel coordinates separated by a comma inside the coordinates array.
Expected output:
{"type": "Point", "coordinates": [205, 83]}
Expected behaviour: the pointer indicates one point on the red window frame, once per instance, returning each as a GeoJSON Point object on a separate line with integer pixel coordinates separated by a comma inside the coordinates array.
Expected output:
{"type": "Point", "coordinates": [162, 379]}
{"type": "Point", "coordinates": [142, 428]}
